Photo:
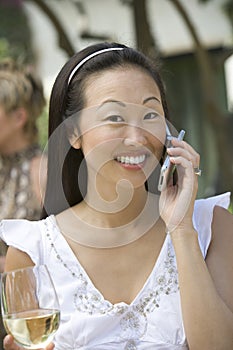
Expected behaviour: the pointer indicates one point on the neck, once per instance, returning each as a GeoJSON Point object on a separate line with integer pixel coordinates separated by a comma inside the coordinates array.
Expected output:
{"type": "Point", "coordinates": [18, 144]}
{"type": "Point", "coordinates": [124, 208]}
{"type": "Point", "coordinates": [98, 229]}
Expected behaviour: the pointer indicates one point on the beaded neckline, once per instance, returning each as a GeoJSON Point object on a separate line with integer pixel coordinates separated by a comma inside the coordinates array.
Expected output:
{"type": "Point", "coordinates": [169, 265]}
{"type": "Point", "coordinates": [87, 299]}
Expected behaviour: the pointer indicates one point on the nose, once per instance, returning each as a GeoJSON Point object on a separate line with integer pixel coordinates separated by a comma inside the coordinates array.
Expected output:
{"type": "Point", "coordinates": [135, 136]}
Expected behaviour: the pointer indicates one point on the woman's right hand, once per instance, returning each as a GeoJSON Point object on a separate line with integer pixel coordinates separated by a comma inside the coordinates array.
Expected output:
{"type": "Point", "coordinates": [9, 344]}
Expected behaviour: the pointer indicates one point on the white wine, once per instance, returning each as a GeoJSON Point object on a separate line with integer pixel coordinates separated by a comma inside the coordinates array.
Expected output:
{"type": "Point", "coordinates": [33, 329]}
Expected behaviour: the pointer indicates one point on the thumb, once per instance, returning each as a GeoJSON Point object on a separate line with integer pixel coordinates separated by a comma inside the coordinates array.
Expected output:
{"type": "Point", "coordinates": [9, 343]}
{"type": "Point", "coordinates": [50, 346]}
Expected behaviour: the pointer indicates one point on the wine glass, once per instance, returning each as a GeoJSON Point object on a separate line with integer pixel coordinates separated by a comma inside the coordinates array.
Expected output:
{"type": "Point", "coordinates": [30, 308]}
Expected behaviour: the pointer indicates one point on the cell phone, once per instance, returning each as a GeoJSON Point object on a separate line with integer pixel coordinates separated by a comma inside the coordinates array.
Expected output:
{"type": "Point", "coordinates": [168, 168]}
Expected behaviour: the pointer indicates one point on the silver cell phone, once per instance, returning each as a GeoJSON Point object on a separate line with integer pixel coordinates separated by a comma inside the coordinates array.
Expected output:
{"type": "Point", "coordinates": [168, 168]}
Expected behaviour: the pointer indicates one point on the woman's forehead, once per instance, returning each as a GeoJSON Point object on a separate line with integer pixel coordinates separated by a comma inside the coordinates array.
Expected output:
{"type": "Point", "coordinates": [129, 84]}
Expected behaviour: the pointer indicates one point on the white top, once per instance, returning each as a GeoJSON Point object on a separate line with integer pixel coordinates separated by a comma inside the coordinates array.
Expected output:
{"type": "Point", "coordinates": [152, 321]}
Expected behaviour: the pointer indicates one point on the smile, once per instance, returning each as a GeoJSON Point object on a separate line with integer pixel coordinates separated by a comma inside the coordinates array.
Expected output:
{"type": "Point", "coordinates": [131, 160]}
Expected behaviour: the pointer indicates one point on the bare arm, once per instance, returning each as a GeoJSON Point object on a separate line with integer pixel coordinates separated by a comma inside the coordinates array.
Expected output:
{"type": "Point", "coordinates": [206, 287]}
{"type": "Point", "coordinates": [16, 259]}
{"type": "Point", "coordinates": [220, 257]}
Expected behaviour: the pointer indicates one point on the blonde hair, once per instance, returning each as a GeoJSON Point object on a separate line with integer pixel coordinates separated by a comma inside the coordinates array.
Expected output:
{"type": "Point", "coordinates": [20, 87]}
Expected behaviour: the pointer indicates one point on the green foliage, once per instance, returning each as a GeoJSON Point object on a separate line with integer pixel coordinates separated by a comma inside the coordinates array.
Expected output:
{"type": "Point", "coordinates": [42, 124]}
{"type": "Point", "coordinates": [231, 208]}
{"type": "Point", "coordinates": [4, 48]}
{"type": "Point", "coordinates": [15, 36]}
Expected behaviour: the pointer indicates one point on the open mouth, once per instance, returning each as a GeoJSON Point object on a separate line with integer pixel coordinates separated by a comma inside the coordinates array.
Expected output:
{"type": "Point", "coordinates": [131, 160]}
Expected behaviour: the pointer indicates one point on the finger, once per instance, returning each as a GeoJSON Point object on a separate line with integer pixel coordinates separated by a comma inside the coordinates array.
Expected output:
{"type": "Point", "coordinates": [50, 346]}
{"type": "Point", "coordinates": [181, 152]}
{"type": "Point", "coordinates": [183, 144]}
{"type": "Point", "coordinates": [183, 164]}
{"type": "Point", "coordinates": [195, 157]}
{"type": "Point", "coordinates": [185, 171]}
{"type": "Point", "coordinates": [178, 151]}
{"type": "Point", "coordinates": [9, 344]}
{"type": "Point", "coordinates": [179, 160]}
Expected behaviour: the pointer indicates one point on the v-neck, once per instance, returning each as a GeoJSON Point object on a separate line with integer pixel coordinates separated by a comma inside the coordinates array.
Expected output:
{"type": "Point", "coordinates": [79, 267]}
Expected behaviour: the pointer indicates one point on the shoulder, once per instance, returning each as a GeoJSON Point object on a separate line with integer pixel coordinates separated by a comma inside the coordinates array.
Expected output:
{"type": "Point", "coordinates": [26, 239]}
{"type": "Point", "coordinates": [204, 205]}
{"type": "Point", "coordinates": [21, 235]}
{"type": "Point", "coordinates": [10, 225]}
{"type": "Point", "coordinates": [222, 226]}
{"type": "Point", "coordinates": [222, 233]}
{"type": "Point", "coordinates": [222, 216]}
{"type": "Point", "coordinates": [207, 212]}
{"type": "Point", "coordinates": [20, 232]}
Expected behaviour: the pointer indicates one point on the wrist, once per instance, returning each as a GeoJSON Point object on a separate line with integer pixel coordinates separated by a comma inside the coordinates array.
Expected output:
{"type": "Point", "coordinates": [181, 227]}
{"type": "Point", "coordinates": [183, 233]}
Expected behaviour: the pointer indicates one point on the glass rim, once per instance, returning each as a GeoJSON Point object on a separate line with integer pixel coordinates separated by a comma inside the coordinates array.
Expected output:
{"type": "Point", "coordinates": [24, 268]}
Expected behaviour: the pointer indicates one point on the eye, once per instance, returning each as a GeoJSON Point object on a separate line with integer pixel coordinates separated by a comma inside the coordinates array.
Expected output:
{"type": "Point", "coordinates": [151, 115]}
{"type": "Point", "coordinates": [115, 118]}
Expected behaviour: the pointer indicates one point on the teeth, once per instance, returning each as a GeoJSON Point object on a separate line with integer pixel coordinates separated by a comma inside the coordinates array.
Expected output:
{"type": "Point", "coordinates": [131, 160]}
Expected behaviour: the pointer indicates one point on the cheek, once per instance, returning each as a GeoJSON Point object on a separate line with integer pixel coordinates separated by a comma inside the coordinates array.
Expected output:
{"type": "Point", "coordinates": [93, 140]}
{"type": "Point", "coordinates": [5, 129]}
{"type": "Point", "coordinates": [98, 147]}
{"type": "Point", "coordinates": [158, 149]}
{"type": "Point", "coordinates": [157, 140]}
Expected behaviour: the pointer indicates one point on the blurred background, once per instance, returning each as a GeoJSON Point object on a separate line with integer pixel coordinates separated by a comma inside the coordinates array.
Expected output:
{"type": "Point", "coordinates": [194, 40]}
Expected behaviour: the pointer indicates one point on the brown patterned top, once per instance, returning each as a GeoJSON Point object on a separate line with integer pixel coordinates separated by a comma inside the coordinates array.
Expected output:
{"type": "Point", "coordinates": [17, 198]}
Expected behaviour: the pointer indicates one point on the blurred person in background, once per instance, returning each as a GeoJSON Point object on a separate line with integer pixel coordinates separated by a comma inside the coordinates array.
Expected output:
{"type": "Point", "coordinates": [21, 186]}
{"type": "Point", "coordinates": [21, 182]}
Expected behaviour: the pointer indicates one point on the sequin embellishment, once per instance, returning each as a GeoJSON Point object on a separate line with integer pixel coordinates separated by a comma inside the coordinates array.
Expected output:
{"type": "Point", "coordinates": [130, 345]}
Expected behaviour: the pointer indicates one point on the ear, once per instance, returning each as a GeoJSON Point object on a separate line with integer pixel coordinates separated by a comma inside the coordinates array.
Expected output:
{"type": "Point", "coordinates": [20, 116]}
{"type": "Point", "coordinates": [76, 143]}
{"type": "Point", "coordinates": [74, 138]}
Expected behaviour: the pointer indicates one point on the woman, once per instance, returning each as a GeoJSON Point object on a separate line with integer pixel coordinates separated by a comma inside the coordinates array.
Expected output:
{"type": "Point", "coordinates": [133, 268]}
{"type": "Point", "coordinates": [21, 103]}
{"type": "Point", "coordinates": [22, 181]}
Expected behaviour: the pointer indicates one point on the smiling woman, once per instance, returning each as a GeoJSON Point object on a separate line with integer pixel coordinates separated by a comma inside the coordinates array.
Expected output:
{"type": "Point", "coordinates": [113, 244]}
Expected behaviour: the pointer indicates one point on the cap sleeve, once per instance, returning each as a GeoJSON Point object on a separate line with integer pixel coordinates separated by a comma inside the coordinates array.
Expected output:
{"type": "Point", "coordinates": [203, 216]}
{"type": "Point", "coordinates": [24, 235]}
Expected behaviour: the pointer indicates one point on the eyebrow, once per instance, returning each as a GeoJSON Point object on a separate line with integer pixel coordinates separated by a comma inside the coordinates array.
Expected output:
{"type": "Point", "coordinates": [122, 104]}
{"type": "Point", "coordinates": [151, 98]}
